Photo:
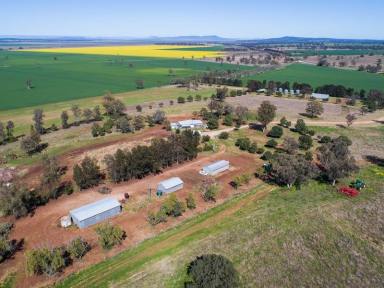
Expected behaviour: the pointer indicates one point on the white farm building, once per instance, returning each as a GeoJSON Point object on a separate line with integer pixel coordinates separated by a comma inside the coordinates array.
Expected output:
{"type": "Point", "coordinates": [215, 168]}
{"type": "Point", "coordinates": [318, 96]}
{"type": "Point", "coordinates": [95, 212]}
{"type": "Point", "coordinates": [188, 124]}
{"type": "Point", "coordinates": [170, 185]}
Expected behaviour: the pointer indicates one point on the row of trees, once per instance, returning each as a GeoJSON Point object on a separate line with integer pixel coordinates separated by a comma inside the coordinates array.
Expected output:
{"type": "Point", "coordinates": [140, 161]}
{"type": "Point", "coordinates": [50, 261]}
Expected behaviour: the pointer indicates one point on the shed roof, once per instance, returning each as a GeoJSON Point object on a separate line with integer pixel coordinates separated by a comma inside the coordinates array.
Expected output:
{"type": "Point", "coordinates": [190, 122]}
{"type": "Point", "coordinates": [216, 165]}
{"type": "Point", "coordinates": [320, 96]}
{"type": "Point", "coordinates": [92, 209]}
{"type": "Point", "coordinates": [171, 182]}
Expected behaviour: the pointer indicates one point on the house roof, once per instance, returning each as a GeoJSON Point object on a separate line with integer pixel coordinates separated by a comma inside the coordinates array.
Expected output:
{"type": "Point", "coordinates": [320, 96]}
{"type": "Point", "coordinates": [89, 210]}
{"type": "Point", "coordinates": [171, 182]}
{"type": "Point", "coordinates": [216, 165]}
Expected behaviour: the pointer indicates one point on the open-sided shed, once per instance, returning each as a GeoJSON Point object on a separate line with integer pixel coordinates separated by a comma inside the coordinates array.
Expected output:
{"type": "Point", "coordinates": [170, 185]}
{"type": "Point", "coordinates": [95, 212]}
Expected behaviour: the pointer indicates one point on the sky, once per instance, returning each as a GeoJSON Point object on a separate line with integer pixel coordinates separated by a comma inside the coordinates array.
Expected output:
{"type": "Point", "coordinates": [362, 19]}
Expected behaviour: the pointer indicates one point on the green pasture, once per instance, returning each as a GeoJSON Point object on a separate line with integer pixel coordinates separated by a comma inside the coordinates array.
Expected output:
{"type": "Point", "coordinates": [317, 76]}
{"type": "Point", "coordinates": [63, 77]}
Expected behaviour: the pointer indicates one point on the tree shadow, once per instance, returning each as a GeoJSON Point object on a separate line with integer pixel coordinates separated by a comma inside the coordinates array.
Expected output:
{"type": "Point", "coordinates": [375, 160]}
{"type": "Point", "coordinates": [341, 126]}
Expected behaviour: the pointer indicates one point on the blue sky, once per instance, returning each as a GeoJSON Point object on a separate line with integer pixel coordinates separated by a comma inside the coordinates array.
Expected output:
{"type": "Point", "coordinates": [236, 19]}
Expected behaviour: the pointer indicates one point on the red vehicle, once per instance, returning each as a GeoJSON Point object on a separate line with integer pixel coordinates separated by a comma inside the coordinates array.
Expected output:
{"type": "Point", "coordinates": [348, 191]}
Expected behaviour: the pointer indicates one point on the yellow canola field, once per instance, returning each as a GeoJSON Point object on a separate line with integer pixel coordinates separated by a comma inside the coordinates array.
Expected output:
{"type": "Point", "coordinates": [164, 51]}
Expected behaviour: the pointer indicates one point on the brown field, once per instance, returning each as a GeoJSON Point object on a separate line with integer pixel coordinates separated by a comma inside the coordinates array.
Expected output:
{"type": "Point", "coordinates": [352, 61]}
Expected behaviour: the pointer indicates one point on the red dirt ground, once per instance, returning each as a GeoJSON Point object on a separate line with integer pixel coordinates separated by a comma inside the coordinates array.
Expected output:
{"type": "Point", "coordinates": [42, 229]}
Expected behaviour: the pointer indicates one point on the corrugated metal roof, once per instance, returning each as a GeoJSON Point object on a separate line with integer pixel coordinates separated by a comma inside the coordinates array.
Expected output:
{"type": "Point", "coordinates": [92, 209]}
{"type": "Point", "coordinates": [171, 182]}
{"type": "Point", "coordinates": [320, 96]}
{"type": "Point", "coordinates": [216, 165]}
{"type": "Point", "coordinates": [191, 122]}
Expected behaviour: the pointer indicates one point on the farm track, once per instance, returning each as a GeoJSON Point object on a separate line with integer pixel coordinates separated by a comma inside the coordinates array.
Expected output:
{"type": "Point", "coordinates": [174, 241]}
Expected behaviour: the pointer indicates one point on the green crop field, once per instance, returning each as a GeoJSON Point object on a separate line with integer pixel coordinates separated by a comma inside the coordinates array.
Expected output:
{"type": "Point", "coordinates": [335, 52]}
{"type": "Point", "coordinates": [72, 77]}
{"type": "Point", "coordinates": [317, 76]}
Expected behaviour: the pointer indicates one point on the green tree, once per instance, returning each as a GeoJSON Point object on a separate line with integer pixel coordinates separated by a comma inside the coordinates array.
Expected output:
{"type": "Point", "coordinates": [45, 261]}
{"type": "Point", "coordinates": [76, 111]}
{"type": "Point", "coordinates": [314, 108]}
{"type": "Point", "coordinates": [31, 143]}
{"type": "Point", "coordinates": [88, 115]}
{"type": "Point", "coordinates": [305, 142]}
{"type": "Point", "coordinates": [38, 116]}
{"type": "Point", "coordinates": [301, 127]}
{"type": "Point", "coordinates": [87, 174]}
{"type": "Point", "coordinates": [228, 120]}
{"type": "Point", "coordinates": [213, 123]}
{"type": "Point", "coordinates": [64, 120]}
{"type": "Point", "coordinates": [10, 126]}
{"type": "Point", "coordinates": [276, 132]}
{"type": "Point", "coordinates": [266, 113]}
{"type": "Point", "coordinates": [212, 271]}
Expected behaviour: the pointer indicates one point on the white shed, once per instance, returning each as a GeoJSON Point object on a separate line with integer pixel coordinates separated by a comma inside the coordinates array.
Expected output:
{"type": "Point", "coordinates": [215, 168]}
{"type": "Point", "coordinates": [170, 185]}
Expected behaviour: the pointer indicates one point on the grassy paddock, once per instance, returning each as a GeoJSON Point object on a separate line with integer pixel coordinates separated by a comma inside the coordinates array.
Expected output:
{"type": "Point", "coordinates": [309, 231]}
{"type": "Point", "coordinates": [317, 76]}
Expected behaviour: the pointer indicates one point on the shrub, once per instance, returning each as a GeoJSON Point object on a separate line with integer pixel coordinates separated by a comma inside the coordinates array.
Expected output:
{"type": "Point", "coordinates": [223, 135]}
{"type": "Point", "coordinates": [271, 143]}
{"type": "Point", "coordinates": [190, 98]}
{"type": "Point", "coordinates": [308, 156]}
{"type": "Point", "coordinates": [276, 132]}
{"type": "Point", "coordinates": [260, 150]}
{"type": "Point", "coordinates": [173, 206]}
{"type": "Point", "coordinates": [5, 229]}
{"type": "Point", "coordinates": [87, 174]}
{"type": "Point", "coordinates": [109, 235]}
{"type": "Point", "coordinates": [253, 148]}
{"type": "Point", "coordinates": [209, 189]}
{"type": "Point", "coordinates": [285, 123]}
{"type": "Point", "coordinates": [243, 143]}
{"type": "Point", "coordinates": [301, 127]}
{"type": "Point", "coordinates": [190, 201]}
{"type": "Point", "coordinates": [241, 180]}
{"type": "Point", "coordinates": [228, 120]}
{"type": "Point", "coordinates": [45, 261]}
{"type": "Point", "coordinates": [104, 190]}
{"type": "Point", "coordinates": [311, 132]}
{"type": "Point", "coordinates": [212, 271]}
{"type": "Point", "coordinates": [305, 142]}
{"type": "Point", "coordinates": [205, 138]}
{"type": "Point", "coordinates": [180, 100]}
{"type": "Point", "coordinates": [267, 156]}
{"type": "Point", "coordinates": [212, 123]}
{"type": "Point", "coordinates": [325, 139]}
{"type": "Point", "coordinates": [157, 218]}
{"type": "Point", "coordinates": [77, 248]}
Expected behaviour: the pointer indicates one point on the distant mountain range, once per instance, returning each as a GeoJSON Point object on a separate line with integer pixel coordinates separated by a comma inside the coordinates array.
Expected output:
{"type": "Point", "coordinates": [14, 41]}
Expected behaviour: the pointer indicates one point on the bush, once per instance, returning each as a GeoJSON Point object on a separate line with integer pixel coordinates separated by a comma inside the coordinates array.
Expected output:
{"type": "Point", "coordinates": [243, 143]}
{"type": "Point", "coordinates": [223, 135]}
{"type": "Point", "coordinates": [325, 139]}
{"type": "Point", "coordinates": [212, 271]}
{"type": "Point", "coordinates": [271, 143]}
{"type": "Point", "coordinates": [241, 180]}
{"type": "Point", "coordinates": [276, 132]}
{"type": "Point", "coordinates": [210, 192]}
{"type": "Point", "coordinates": [180, 100]}
{"type": "Point", "coordinates": [305, 142]}
{"type": "Point", "coordinates": [77, 248]}
{"type": "Point", "coordinates": [157, 218]}
{"type": "Point", "coordinates": [267, 156]}
{"type": "Point", "coordinates": [260, 150]}
{"type": "Point", "coordinates": [104, 190]}
{"type": "Point", "coordinates": [5, 229]}
{"type": "Point", "coordinates": [253, 148]}
{"type": "Point", "coordinates": [190, 201]}
{"type": "Point", "coordinates": [173, 206]}
{"type": "Point", "coordinates": [285, 123]}
{"type": "Point", "coordinates": [311, 132]}
{"type": "Point", "coordinates": [300, 126]}
{"type": "Point", "coordinates": [308, 156]}
{"type": "Point", "coordinates": [205, 138]}
{"type": "Point", "coordinates": [190, 98]}
{"type": "Point", "coordinates": [212, 123]}
{"type": "Point", "coordinates": [45, 261]}
{"type": "Point", "coordinates": [228, 120]}
{"type": "Point", "coordinates": [109, 235]}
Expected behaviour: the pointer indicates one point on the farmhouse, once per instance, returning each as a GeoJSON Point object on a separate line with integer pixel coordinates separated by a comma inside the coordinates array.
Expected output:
{"type": "Point", "coordinates": [318, 96]}
{"type": "Point", "coordinates": [215, 168]}
{"type": "Point", "coordinates": [188, 124]}
{"type": "Point", "coordinates": [95, 212]}
{"type": "Point", "coordinates": [170, 185]}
